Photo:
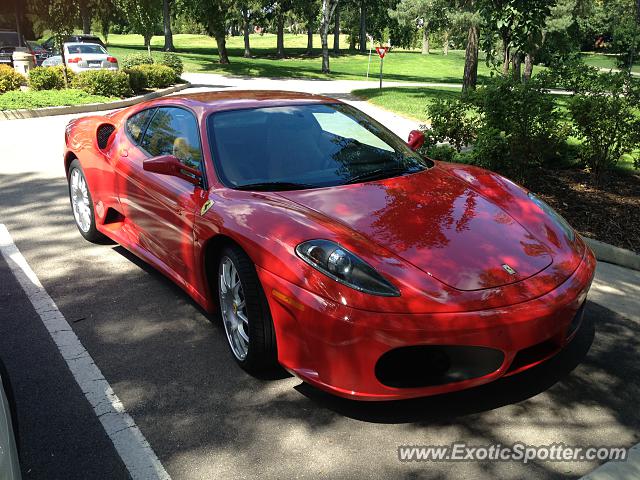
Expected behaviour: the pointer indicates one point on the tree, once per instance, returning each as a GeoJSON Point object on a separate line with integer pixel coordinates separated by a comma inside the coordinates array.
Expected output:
{"type": "Point", "coordinates": [166, 20]}
{"type": "Point", "coordinates": [426, 15]}
{"type": "Point", "coordinates": [248, 10]}
{"type": "Point", "coordinates": [105, 12]}
{"type": "Point", "coordinates": [308, 10]}
{"type": "Point", "coordinates": [462, 16]}
{"type": "Point", "coordinates": [517, 24]}
{"type": "Point", "coordinates": [279, 10]}
{"type": "Point", "coordinates": [470, 76]}
{"type": "Point", "coordinates": [214, 15]}
{"type": "Point", "coordinates": [363, 26]}
{"type": "Point", "coordinates": [59, 17]}
{"type": "Point", "coordinates": [336, 30]}
{"type": "Point", "coordinates": [86, 10]}
{"type": "Point", "coordinates": [143, 16]}
{"type": "Point", "coordinates": [328, 8]}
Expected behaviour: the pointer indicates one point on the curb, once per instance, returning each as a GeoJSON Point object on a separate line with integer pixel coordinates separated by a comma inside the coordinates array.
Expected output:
{"type": "Point", "coordinates": [616, 255]}
{"type": "Point", "coordinates": [90, 107]}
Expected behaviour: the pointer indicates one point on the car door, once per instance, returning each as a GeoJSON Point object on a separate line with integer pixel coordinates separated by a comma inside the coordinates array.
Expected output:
{"type": "Point", "coordinates": [160, 209]}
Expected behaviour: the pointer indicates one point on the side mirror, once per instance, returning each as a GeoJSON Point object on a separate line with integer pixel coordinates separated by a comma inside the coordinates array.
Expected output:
{"type": "Point", "coordinates": [170, 165]}
{"type": "Point", "coordinates": [416, 139]}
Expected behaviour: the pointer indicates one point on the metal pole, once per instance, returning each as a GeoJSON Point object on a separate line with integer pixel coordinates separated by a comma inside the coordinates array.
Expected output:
{"type": "Point", "coordinates": [381, 62]}
{"type": "Point", "coordinates": [369, 64]}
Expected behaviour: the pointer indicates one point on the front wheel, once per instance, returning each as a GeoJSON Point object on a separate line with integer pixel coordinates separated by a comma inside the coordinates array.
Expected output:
{"type": "Point", "coordinates": [245, 312]}
{"type": "Point", "coordinates": [82, 204]}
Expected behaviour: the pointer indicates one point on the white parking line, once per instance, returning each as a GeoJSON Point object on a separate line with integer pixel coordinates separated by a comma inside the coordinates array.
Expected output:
{"type": "Point", "coordinates": [133, 448]}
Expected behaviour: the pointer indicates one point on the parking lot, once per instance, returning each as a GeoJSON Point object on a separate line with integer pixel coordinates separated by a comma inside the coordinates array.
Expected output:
{"type": "Point", "coordinates": [169, 364]}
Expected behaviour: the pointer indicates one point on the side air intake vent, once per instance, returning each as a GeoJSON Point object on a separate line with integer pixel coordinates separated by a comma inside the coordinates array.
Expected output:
{"type": "Point", "coordinates": [103, 133]}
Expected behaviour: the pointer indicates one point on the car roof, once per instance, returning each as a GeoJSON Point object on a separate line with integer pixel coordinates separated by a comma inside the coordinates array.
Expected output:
{"type": "Point", "coordinates": [214, 101]}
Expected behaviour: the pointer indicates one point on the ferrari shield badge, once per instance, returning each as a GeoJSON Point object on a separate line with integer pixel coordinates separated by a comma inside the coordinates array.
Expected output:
{"type": "Point", "coordinates": [508, 269]}
{"type": "Point", "coordinates": [205, 208]}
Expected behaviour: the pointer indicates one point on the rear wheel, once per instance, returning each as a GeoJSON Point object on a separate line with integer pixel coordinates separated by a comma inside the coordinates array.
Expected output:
{"type": "Point", "coordinates": [82, 204]}
{"type": "Point", "coordinates": [245, 312]}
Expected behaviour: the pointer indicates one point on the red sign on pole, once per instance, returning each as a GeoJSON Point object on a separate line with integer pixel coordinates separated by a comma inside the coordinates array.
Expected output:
{"type": "Point", "coordinates": [382, 51]}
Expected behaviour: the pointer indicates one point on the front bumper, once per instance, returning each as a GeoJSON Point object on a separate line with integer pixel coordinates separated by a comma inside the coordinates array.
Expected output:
{"type": "Point", "coordinates": [339, 349]}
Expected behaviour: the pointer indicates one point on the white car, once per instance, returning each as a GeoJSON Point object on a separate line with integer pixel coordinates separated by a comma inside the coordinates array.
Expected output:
{"type": "Point", "coordinates": [88, 56]}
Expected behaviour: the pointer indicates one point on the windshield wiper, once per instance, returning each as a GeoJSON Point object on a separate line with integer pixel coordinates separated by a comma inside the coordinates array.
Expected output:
{"type": "Point", "coordinates": [380, 173]}
{"type": "Point", "coordinates": [274, 186]}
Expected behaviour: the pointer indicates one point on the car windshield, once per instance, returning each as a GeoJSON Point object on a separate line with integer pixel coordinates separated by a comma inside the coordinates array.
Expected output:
{"type": "Point", "coordinates": [85, 48]}
{"type": "Point", "coordinates": [8, 39]}
{"type": "Point", "coordinates": [305, 146]}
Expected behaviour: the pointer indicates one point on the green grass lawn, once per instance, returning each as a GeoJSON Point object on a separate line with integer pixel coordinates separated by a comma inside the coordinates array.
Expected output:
{"type": "Point", "coordinates": [408, 101]}
{"type": "Point", "coordinates": [606, 61]}
{"type": "Point", "coordinates": [199, 54]}
{"type": "Point", "coordinates": [48, 98]}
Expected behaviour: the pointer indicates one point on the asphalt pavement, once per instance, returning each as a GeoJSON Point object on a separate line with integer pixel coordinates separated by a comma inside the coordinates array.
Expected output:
{"type": "Point", "coordinates": [169, 364]}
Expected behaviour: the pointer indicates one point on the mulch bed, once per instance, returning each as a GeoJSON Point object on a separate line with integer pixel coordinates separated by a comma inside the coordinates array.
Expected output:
{"type": "Point", "coordinates": [608, 210]}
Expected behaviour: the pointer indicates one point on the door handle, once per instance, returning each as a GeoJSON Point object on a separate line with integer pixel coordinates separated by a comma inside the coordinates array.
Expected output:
{"type": "Point", "coordinates": [124, 152]}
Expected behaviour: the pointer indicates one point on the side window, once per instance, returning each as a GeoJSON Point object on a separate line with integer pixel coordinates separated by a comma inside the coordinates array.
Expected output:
{"type": "Point", "coordinates": [174, 131]}
{"type": "Point", "coordinates": [137, 122]}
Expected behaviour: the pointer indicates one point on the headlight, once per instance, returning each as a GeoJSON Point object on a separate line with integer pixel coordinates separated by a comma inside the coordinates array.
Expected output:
{"type": "Point", "coordinates": [343, 266]}
{"type": "Point", "coordinates": [559, 220]}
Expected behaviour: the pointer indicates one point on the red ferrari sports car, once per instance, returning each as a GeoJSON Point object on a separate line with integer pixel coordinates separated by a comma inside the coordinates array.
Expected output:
{"type": "Point", "coordinates": [329, 245]}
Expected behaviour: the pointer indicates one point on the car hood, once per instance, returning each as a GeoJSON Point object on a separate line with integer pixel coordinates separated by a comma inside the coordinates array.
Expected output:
{"type": "Point", "coordinates": [438, 223]}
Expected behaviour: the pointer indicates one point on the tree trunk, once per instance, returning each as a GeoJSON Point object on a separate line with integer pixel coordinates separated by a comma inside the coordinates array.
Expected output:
{"type": "Point", "coordinates": [336, 31]}
{"type": "Point", "coordinates": [446, 42]}
{"type": "Point", "coordinates": [147, 42]}
{"type": "Point", "coordinates": [18, 14]}
{"type": "Point", "coordinates": [528, 67]}
{"type": "Point", "coordinates": [634, 38]}
{"type": "Point", "coordinates": [245, 30]}
{"type": "Point", "coordinates": [363, 27]}
{"type": "Point", "coordinates": [60, 45]}
{"type": "Point", "coordinates": [506, 57]}
{"type": "Point", "coordinates": [328, 7]}
{"type": "Point", "coordinates": [310, 37]}
{"type": "Point", "coordinates": [221, 41]}
{"type": "Point", "coordinates": [425, 40]}
{"type": "Point", "coordinates": [470, 78]}
{"type": "Point", "coordinates": [168, 34]}
{"type": "Point", "coordinates": [516, 62]}
{"type": "Point", "coordinates": [85, 15]}
{"type": "Point", "coordinates": [280, 40]}
{"type": "Point", "coordinates": [352, 42]}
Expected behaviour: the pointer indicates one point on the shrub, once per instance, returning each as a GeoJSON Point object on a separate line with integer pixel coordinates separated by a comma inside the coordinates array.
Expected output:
{"type": "Point", "coordinates": [108, 83]}
{"type": "Point", "coordinates": [48, 78]}
{"type": "Point", "coordinates": [605, 119]}
{"type": "Point", "coordinates": [453, 121]}
{"type": "Point", "coordinates": [138, 80]}
{"type": "Point", "coordinates": [521, 126]}
{"type": "Point", "coordinates": [135, 60]}
{"type": "Point", "coordinates": [9, 79]}
{"type": "Point", "coordinates": [158, 76]}
{"type": "Point", "coordinates": [172, 61]}
{"type": "Point", "coordinates": [569, 73]}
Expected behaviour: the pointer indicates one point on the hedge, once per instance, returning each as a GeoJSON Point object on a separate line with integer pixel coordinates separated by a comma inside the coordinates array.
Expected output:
{"type": "Point", "coordinates": [9, 79]}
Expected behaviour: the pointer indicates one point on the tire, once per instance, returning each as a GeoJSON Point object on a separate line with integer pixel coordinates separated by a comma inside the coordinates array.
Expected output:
{"type": "Point", "coordinates": [260, 352]}
{"type": "Point", "coordinates": [86, 225]}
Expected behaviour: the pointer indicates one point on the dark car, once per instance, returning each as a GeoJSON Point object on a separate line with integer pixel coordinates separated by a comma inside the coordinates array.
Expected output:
{"type": "Point", "coordinates": [9, 40]}
{"type": "Point", "coordinates": [39, 51]}
{"type": "Point", "coordinates": [50, 45]}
